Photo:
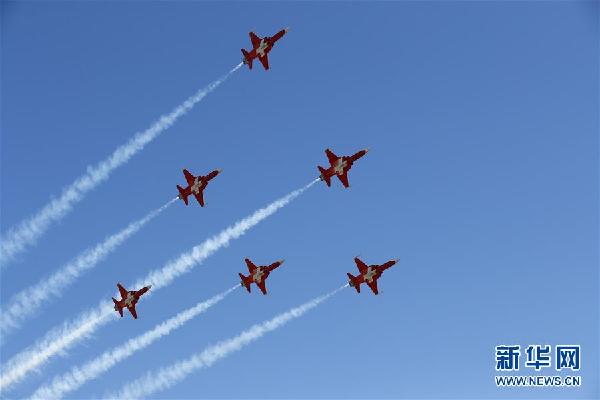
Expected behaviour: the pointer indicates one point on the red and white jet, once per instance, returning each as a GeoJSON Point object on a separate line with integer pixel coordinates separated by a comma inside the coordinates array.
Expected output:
{"type": "Point", "coordinates": [261, 48]}
{"type": "Point", "coordinates": [129, 299]}
{"type": "Point", "coordinates": [258, 275]}
{"type": "Point", "coordinates": [369, 274]}
{"type": "Point", "coordinates": [339, 166]}
{"type": "Point", "coordinates": [196, 186]}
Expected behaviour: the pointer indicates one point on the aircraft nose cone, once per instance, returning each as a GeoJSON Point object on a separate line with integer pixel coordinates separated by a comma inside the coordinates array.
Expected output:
{"type": "Point", "coordinates": [366, 150]}
{"type": "Point", "coordinates": [281, 261]}
{"type": "Point", "coordinates": [149, 286]}
{"type": "Point", "coordinates": [287, 29]}
{"type": "Point", "coordinates": [220, 170]}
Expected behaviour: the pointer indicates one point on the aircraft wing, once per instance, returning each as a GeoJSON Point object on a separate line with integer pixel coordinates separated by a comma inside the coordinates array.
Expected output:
{"type": "Point", "coordinates": [261, 286]}
{"type": "Point", "coordinates": [251, 266]}
{"type": "Point", "coordinates": [200, 197]}
{"type": "Point", "coordinates": [331, 156]}
{"type": "Point", "coordinates": [188, 177]}
{"type": "Point", "coordinates": [344, 179]}
{"type": "Point", "coordinates": [122, 291]}
{"type": "Point", "coordinates": [264, 60]}
{"type": "Point", "coordinates": [255, 40]}
{"type": "Point", "coordinates": [362, 267]}
{"type": "Point", "coordinates": [373, 286]}
{"type": "Point", "coordinates": [132, 311]}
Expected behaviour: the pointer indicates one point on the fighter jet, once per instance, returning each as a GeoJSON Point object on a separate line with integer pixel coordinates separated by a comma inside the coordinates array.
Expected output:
{"type": "Point", "coordinates": [129, 299]}
{"type": "Point", "coordinates": [339, 166]}
{"type": "Point", "coordinates": [196, 185]}
{"type": "Point", "coordinates": [258, 275]}
{"type": "Point", "coordinates": [369, 274]}
{"type": "Point", "coordinates": [261, 48]}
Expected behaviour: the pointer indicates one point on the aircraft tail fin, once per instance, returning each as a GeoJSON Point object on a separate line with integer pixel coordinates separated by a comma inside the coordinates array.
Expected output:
{"type": "Point", "coordinates": [324, 176]}
{"type": "Point", "coordinates": [117, 307]}
{"type": "Point", "coordinates": [353, 281]}
{"type": "Point", "coordinates": [183, 195]}
{"type": "Point", "coordinates": [247, 60]}
{"type": "Point", "coordinates": [245, 282]}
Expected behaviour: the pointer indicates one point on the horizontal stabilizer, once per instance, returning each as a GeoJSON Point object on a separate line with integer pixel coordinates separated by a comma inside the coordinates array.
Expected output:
{"type": "Point", "coordinates": [245, 281]}
{"type": "Point", "coordinates": [353, 281]}
{"type": "Point", "coordinates": [324, 176]}
{"type": "Point", "coordinates": [117, 308]}
{"type": "Point", "coordinates": [246, 59]}
{"type": "Point", "coordinates": [183, 195]}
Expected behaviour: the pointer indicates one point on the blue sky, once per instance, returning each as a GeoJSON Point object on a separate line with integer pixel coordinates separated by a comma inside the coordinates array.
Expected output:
{"type": "Point", "coordinates": [482, 119]}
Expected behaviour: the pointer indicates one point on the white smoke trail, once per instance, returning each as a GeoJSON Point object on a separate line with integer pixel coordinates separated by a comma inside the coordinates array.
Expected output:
{"type": "Point", "coordinates": [28, 231]}
{"type": "Point", "coordinates": [62, 385]}
{"type": "Point", "coordinates": [198, 254]}
{"type": "Point", "coordinates": [166, 377]}
{"type": "Point", "coordinates": [71, 332]}
{"type": "Point", "coordinates": [25, 303]}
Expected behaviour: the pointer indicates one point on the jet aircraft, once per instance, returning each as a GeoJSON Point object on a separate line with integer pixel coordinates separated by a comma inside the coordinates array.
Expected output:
{"type": "Point", "coordinates": [261, 48]}
{"type": "Point", "coordinates": [339, 166]}
{"type": "Point", "coordinates": [196, 186]}
{"type": "Point", "coordinates": [258, 275]}
{"type": "Point", "coordinates": [129, 299]}
{"type": "Point", "coordinates": [369, 274]}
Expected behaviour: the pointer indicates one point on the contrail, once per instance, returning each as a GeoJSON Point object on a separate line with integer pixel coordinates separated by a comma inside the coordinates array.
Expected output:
{"type": "Point", "coordinates": [28, 231]}
{"type": "Point", "coordinates": [166, 377]}
{"type": "Point", "coordinates": [198, 254]}
{"type": "Point", "coordinates": [73, 380]}
{"type": "Point", "coordinates": [25, 303]}
{"type": "Point", "coordinates": [71, 332]}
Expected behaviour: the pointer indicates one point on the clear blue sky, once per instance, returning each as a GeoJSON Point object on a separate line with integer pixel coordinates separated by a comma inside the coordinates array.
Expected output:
{"type": "Point", "coordinates": [482, 119]}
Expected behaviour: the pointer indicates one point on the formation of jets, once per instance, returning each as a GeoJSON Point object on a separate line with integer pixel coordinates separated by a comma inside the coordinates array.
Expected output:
{"type": "Point", "coordinates": [258, 274]}
{"type": "Point", "coordinates": [338, 166]}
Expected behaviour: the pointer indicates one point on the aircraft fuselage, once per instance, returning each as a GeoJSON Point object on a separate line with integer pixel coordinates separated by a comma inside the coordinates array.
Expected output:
{"type": "Point", "coordinates": [262, 48]}
{"type": "Point", "coordinates": [130, 299]}
{"type": "Point", "coordinates": [368, 276]}
{"type": "Point", "coordinates": [197, 186]}
{"type": "Point", "coordinates": [258, 275]}
{"type": "Point", "coordinates": [339, 166]}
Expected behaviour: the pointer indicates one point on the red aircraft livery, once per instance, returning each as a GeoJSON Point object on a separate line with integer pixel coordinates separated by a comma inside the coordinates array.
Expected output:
{"type": "Point", "coordinates": [258, 275]}
{"type": "Point", "coordinates": [261, 48]}
{"type": "Point", "coordinates": [196, 186]}
{"type": "Point", "coordinates": [129, 299]}
{"type": "Point", "coordinates": [339, 166]}
{"type": "Point", "coordinates": [369, 274]}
